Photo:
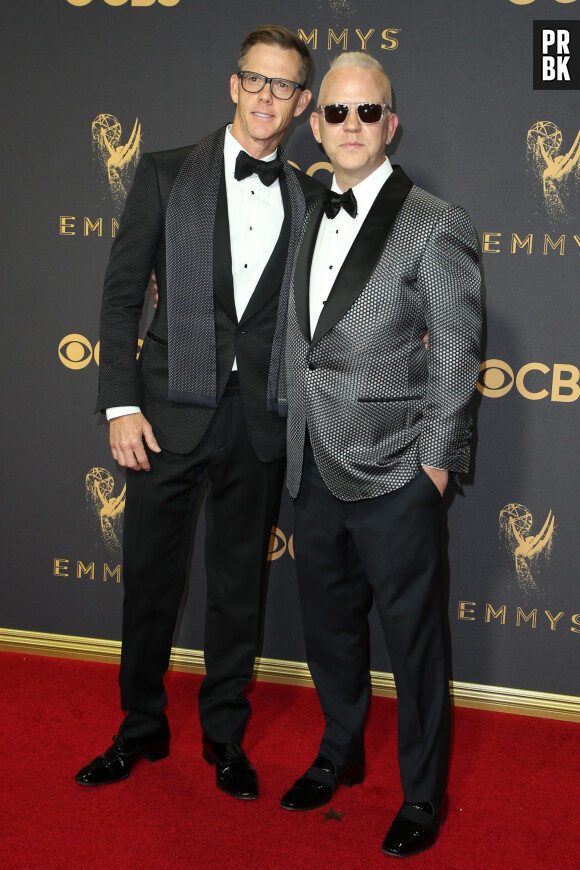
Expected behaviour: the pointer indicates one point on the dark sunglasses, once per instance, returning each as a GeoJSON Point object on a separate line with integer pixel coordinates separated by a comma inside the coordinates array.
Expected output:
{"type": "Point", "coordinates": [368, 113]}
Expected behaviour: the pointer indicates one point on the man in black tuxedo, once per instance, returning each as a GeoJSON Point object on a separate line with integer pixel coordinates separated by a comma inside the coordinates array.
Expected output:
{"type": "Point", "coordinates": [206, 401]}
{"type": "Point", "coordinates": [376, 423]}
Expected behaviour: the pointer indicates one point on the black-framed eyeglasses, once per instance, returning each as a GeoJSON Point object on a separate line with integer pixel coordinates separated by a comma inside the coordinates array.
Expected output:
{"type": "Point", "coordinates": [368, 113]}
{"type": "Point", "coordinates": [254, 82]}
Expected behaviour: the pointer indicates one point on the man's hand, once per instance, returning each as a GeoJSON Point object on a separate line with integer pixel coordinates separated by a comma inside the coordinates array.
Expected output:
{"type": "Point", "coordinates": [126, 436]}
{"type": "Point", "coordinates": [440, 478]}
{"type": "Point", "coordinates": [155, 290]}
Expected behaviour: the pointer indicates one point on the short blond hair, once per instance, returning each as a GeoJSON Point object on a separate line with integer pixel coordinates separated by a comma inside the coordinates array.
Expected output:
{"type": "Point", "coordinates": [364, 61]}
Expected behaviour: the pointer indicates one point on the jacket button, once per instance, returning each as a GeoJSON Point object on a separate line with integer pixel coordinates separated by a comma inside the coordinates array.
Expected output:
{"type": "Point", "coordinates": [311, 366]}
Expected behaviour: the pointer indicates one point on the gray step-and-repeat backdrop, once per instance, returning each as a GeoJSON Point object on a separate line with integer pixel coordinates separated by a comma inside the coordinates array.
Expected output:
{"type": "Point", "coordinates": [91, 85]}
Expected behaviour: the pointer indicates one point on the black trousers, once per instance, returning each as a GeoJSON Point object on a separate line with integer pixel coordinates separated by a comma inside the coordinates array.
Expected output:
{"type": "Point", "coordinates": [397, 540]}
{"type": "Point", "coordinates": [242, 500]}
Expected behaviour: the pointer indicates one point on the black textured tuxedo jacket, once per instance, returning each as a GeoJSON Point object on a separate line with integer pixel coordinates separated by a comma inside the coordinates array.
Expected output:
{"type": "Point", "coordinates": [142, 244]}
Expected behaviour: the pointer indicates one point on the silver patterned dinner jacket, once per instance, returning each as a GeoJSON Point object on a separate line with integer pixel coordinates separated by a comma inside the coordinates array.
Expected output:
{"type": "Point", "coordinates": [375, 403]}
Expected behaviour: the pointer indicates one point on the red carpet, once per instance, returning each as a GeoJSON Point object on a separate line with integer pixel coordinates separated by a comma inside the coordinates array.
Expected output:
{"type": "Point", "coordinates": [514, 785]}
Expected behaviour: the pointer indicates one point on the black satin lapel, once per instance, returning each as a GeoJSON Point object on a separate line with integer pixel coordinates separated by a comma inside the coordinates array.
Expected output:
{"type": "Point", "coordinates": [301, 281]}
{"type": "Point", "coordinates": [271, 277]}
{"type": "Point", "coordinates": [365, 251]}
{"type": "Point", "coordinates": [223, 283]}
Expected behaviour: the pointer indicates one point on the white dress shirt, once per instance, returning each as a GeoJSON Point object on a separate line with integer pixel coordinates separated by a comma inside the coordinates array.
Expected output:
{"type": "Point", "coordinates": [335, 238]}
{"type": "Point", "coordinates": [256, 214]}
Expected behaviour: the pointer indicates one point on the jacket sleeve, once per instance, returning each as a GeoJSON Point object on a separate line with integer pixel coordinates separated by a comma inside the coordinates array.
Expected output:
{"type": "Point", "coordinates": [449, 280]}
{"type": "Point", "coordinates": [126, 280]}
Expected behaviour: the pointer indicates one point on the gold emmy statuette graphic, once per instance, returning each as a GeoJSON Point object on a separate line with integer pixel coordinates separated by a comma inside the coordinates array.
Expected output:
{"type": "Point", "coordinates": [530, 553]}
{"type": "Point", "coordinates": [115, 159]}
{"type": "Point", "coordinates": [107, 509]}
{"type": "Point", "coordinates": [558, 174]}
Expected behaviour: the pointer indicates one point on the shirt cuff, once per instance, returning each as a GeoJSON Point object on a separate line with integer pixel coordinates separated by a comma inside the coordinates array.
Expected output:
{"type": "Point", "coordinates": [121, 411]}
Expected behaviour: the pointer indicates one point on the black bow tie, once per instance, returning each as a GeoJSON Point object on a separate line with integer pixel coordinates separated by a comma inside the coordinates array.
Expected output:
{"type": "Point", "coordinates": [267, 170]}
{"type": "Point", "coordinates": [333, 202]}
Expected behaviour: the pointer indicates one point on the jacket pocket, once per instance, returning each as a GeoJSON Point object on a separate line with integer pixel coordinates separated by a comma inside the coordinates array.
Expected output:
{"type": "Point", "coordinates": [429, 482]}
{"type": "Point", "coordinates": [156, 339]}
{"type": "Point", "coordinates": [388, 398]}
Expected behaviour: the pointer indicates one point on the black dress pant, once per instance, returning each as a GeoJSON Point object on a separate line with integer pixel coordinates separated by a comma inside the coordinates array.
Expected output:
{"type": "Point", "coordinates": [397, 539]}
{"type": "Point", "coordinates": [242, 500]}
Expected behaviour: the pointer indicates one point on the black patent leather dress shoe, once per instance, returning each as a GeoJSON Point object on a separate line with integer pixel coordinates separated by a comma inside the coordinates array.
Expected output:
{"type": "Point", "coordinates": [234, 773]}
{"type": "Point", "coordinates": [414, 829]}
{"type": "Point", "coordinates": [319, 783]}
{"type": "Point", "coordinates": [119, 760]}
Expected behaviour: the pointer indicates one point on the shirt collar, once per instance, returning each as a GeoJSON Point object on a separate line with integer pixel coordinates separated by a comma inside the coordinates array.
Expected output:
{"type": "Point", "coordinates": [232, 148]}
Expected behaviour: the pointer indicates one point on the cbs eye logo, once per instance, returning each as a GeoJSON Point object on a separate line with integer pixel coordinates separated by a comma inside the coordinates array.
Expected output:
{"type": "Point", "coordinates": [279, 545]}
{"type": "Point", "coordinates": [496, 378]}
{"type": "Point", "coordinates": [75, 351]}
{"type": "Point", "coordinates": [533, 381]}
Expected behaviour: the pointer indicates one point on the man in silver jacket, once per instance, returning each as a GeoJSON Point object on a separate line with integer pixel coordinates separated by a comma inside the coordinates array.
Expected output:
{"type": "Point", "coordinates": [376, 424]}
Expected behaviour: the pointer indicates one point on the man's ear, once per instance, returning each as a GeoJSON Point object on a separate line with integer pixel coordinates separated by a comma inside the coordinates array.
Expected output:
{"type": "Point", "coordinates": [302, 104]}
{"type": "Point", "coordinates": [392, 125]}
{"type": "Point", "coordinates": [315, 125]}
{"type": "Point", "coordinates": [234, 87]}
